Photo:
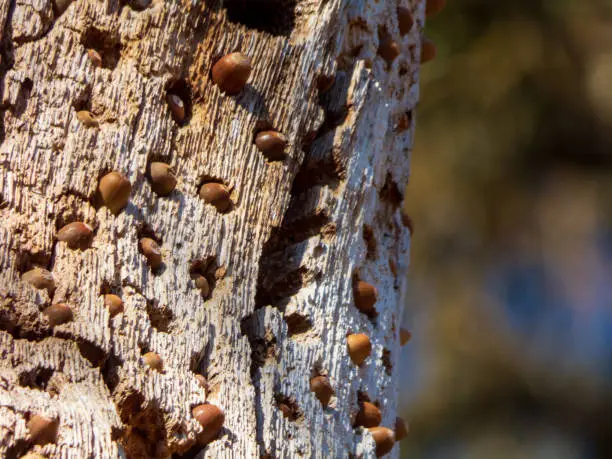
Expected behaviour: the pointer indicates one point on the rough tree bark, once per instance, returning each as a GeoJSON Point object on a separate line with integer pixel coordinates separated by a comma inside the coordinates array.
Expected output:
{"type": "Point", "coordinates": [281, 262]}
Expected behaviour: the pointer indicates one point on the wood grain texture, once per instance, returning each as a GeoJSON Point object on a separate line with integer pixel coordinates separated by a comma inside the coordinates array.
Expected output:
{"type": "Point", "coordinates": [282, 261]}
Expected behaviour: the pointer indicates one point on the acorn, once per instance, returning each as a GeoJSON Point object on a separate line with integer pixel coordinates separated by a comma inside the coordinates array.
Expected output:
{"type": "Point", "coordinates": [150, 249]}
{"type": "Point", "coordinates": [163, 180]}
{"type": "Point", "coordinates": [75, 234]}
{"type": "Point", "coordinates": [322, 388]}
{"type": "Point", "coordinates": [211, 418]}
{"type": "Point", "coordinates": [154, 361]}
{"type": "Point", "coordinates": [272, 144]}
{"type": "Point", "coordinates": [87, 118]}
{"type": "Point", "coordinates": [369, 415]}
{"type": "Point", "coordinates": [42, 429]}
{"type": "Point", "coordinates": [359, 347]}
{"type": "Point", "coordinates": [428, 50]}
{"type": "Point", "coordinates": [384, 438]}
{"type": "Point", "coordinates": [115, 189]}
{"type": "Point", "coordinates": [58, 314]}
{"type": "Point", "coordinates": [434, 7]}
{"type": "Point", "coordinates": [94, 57]}
{"type": "Point", "coordinates": [113, 303]}
{"type": "Point", "coordinates": [39, 278]}
{"type": "Point", "coordinates": [405, 20]}
{"type": "Point", "coordinates": [177, 107]}
{"type": "Point", "coordinates": [401, 429]}
{"type": "Point", "coordinates": [202, 284]}
{"type": "Point", "coordinates": [365, 295]}
{"type": "Point", "coordinates": [388, 49]}
{"type": "Point", "coordinates": [408, 222]}
{"type": "Point", "coordinates": [216, 194]}
{"type": "Point", "coordinates": [231, 72]}
{"type": "Point", "coordinates": [404, 335]}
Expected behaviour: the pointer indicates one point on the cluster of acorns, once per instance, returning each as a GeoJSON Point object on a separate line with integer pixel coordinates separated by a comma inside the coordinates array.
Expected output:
{"type": "Point", "coordinates": [230, 74]}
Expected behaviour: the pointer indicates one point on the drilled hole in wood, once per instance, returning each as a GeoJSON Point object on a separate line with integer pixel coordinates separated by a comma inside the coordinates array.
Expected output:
{"type": "Point", "coordinates": [276, 17]}
{"type": "Point", "coordinates": [37, 378]}
{"type": "Point", "coordinates": [160, 316]}
{"type": "Point", "coordinates": [110, 372]}
{"type": "Point", "coordinates": [386, 361]}
{"type": "Point", "coordinates": [289, 408]}
{"type": "Point", "coordinates": [103, 48]}
{"type": "Point", "coordinates": [391, 193]}
{"type": "Point", "coordinates": [297, 324]}
{"type": "Point", "coordinates": [149, 245]}
{"type": "Point", "coordinates": [21, 102]}
{"type": "Point", "coordinates": [370, 242]}
{"type": "Point", "coordinates": [205, 273]}
{"type": "Point", "coordinates": [179, 101]}
{"type": "Point", "coordinates": [136, 5]}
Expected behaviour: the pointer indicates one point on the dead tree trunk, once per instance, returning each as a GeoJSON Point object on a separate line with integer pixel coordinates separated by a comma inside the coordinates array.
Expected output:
{"type": "Point", "coordinates": [257, 284]}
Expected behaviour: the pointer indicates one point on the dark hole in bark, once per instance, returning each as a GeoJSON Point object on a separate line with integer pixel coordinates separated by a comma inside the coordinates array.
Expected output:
{"type": "Point", "coordinates": [105, 44]}
{"type": "Point", "coordinates": [276, 17]}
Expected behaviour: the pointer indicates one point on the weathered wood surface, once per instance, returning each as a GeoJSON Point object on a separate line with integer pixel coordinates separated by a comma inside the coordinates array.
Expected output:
{"type": "Point", "coordinates": [299, 231]}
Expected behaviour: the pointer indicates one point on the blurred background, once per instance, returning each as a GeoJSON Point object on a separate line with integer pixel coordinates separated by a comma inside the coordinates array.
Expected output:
{"type": "Point", "coordinates": [510, 298]}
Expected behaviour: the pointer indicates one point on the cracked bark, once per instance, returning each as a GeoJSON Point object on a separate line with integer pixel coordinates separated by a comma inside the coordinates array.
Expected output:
{"type": "Point", "coordinates": [283, 260]}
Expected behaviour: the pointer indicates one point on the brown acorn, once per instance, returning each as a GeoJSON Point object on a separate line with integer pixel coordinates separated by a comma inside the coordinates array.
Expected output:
{"type": "Point", "coordinates": [58, 314]}
{"type": "Point", "coordinates": [211, 418]}
{"type": "Point", "coordinates": [388, 49]}
{"type": "Point", "coordinates": [405, 20]}
{"type": "Point", "coordinates": [434, 7]}
{"type": "Point", "coordinates": [154, 361]}
{"type": "Point", "coordinates": [404, 335]}
{"type": "Point", "coordinates": [401, 429]}
{"type": "Point", "coordinates": [384, 438]}
{"type": "Point", "coordinates": [87, 118]}
{"type": "Point", "coordinates": [359, 347]}
{"type": "Point", "coordinates": [42, 429]}
{"type": "Point", "coordinates": [150, 249]}
{"type": "Point", "coordinates": [322, 388]}
{"type": "Point", "coordinates": [177, 107]}
{"type": "Point", "coordinates": [114, 189]}
{"type": "Point", "coordinates": [163, 180]}
{"type": "Point", "coordinates": [231, 72]}
{"type": "Point", "coordinates": [39, 278]}
{"type": "Point", "coordinates": [408, 222]}
{"type": "Point", "coordinates": [202, 284]}
{"type": "Point", "coordinates": [216, 194]}
{"type": "Point", "coordinates": [365, 295]}
{"type": "Point", "coordinates": [113, 303]}
{"type": "Point", "coordinates": [94, 57]}
{"type": "Point", "coordinates": [369, 415]}
{"type": "Point", "coordinates": [272, 144]}
{"type": "Point", "coordinates": [75, 234]}
{"type": "Point", "coordinates": [428, 50]}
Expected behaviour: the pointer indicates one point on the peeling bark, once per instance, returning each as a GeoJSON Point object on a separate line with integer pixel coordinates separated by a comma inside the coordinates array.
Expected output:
{"type": "Point", "coordinates": [280, 263]}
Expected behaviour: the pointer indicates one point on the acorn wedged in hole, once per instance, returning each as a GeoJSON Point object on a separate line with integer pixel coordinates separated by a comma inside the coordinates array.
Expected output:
{"type": "Point", "coordinates": [177, 107]}
{"type": "Point", "coordinates": [231, 72]}
{"type": "Point", "coordinates": [428, 50]}
{"type": "Point", "coordinates": [42, 429]}
{"type": "Point", "coordinates": [216, 194]}
{"type": "Point", "coordinates": [201, 283]}
{"type": "Point", "coordinates": [211, 418]}
{"type": "Point", "coordinates": [407, 222]}
{"type": "Point", "coordinates": [75, 234]}
{"type": "Point", "coordinates": [94, 57]}
{"type": "Point", "coordinates": [163, 180]}
{"type": "Point", "coordinates": [401, 429]}
{"type": "Point", "coordinates": [384, 438]}
{"type": "Point", "coordinates": [365, 296]}
{"type": "Point", "coordinates": [322, 389]}
{"type": "Point", "coordinates": [388, 49]}
{"type": "Point", "coordinates": [114, 190]}
{"type": "Point", "coordinates": [272, 144]}
{"type": "Point", "coordinates": [369, 415]}
{"type": "Point", "coordinates": [114, 304]}
{"type": "Point", "coordinates": [405, 20]}
{"type": "Point", "coordinates": [154, 361]}
{"type": "Point", "coordinates": [359, 347]}
{"type": "Point", "coordinates": [87, 118]}
{"type": "Point", "coordinates": [404, 335]}
{"type": "Point", "coordinates": [433, 7]}
{"type": "Point", "coordinates": [39, 278]}
{"type": "Point", "coordinates": [152, 252]}
{"type": "Point", "coordinates": [58, 314]}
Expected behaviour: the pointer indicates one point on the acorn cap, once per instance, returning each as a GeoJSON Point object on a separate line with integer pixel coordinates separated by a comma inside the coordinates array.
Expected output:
{"type": "Point", "coordinates": [231, 72]}
{"type": "Point", "coordinates": [369, 415]}
{"type": "Point", "coordinates": [365, 295]}
{"type": "Point", "coordinates": [384, 438]}
{"type": "Point", "coordinates": [401, 429]}
{"type": "Point", "coordinates": [42, 429]}
{"type": "Point", "coordinates": [163, 180]}
{"type": "Point", "coordinates": [404, 335]}
{"type": "Point", "coordinates": [322, 389]}
{"type": "Point", "coordinates": [114, 189]}
{"type": "Point", "coordinates": [114, 304]}
{"type": "Point", "coordinates": [39, 278]}
{"type": "Point", "coordinates": [154, 361]}
{"type": "Point", "coordinates": [58, 314]}
{"type": "Point", "coordinates": [272, 144]}
{"type": "Point", "coordinates": [405, 20]}
{"type": "Point", "coordinates": [216, 194]}
{"type": "Point", "coordinates": [211, 418]}
{"type": "Point", "coordinates": [359, 347]}
{"type": "Point", "coordinates": [75, 234]}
